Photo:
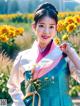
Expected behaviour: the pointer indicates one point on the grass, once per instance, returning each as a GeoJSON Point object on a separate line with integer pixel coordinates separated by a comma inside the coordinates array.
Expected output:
{"type": "Point", "coordinates": [5, 63]}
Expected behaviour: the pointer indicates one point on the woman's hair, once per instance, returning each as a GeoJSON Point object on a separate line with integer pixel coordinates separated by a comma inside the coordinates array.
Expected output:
{"type": "Point", "coordinates": [45, 9]}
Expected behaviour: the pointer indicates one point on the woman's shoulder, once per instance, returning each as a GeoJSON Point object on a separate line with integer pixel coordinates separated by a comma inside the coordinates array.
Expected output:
{"type": "Point", "coordinates": [22, 54]}
{"type": "Point", "coordinates": [57, 49]}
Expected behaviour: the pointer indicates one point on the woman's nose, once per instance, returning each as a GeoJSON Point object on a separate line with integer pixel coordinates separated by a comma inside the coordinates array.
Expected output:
{"type": "Point", "coordinates": [46, 30]}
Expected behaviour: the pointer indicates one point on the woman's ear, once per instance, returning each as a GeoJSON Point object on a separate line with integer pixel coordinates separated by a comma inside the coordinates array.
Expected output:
{"type": "Point", "coordinates": [33, 26]}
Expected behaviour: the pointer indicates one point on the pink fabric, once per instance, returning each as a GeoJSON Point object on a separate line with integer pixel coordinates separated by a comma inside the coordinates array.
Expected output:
{"type": "Point", "coordinates": [47, 50]}
{"type": "Point", "coordinates": [45, 69]}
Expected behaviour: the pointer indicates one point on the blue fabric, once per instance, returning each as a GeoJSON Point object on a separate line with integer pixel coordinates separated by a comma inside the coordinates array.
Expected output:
{"type": "Point", "coordinates": [28, 74]}
{"type": "Point", "coordinates": [54, 87]}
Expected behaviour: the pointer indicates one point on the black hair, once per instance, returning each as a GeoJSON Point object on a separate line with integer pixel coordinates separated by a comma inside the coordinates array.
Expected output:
{"type": "Point", "coordinates": [45, 9]}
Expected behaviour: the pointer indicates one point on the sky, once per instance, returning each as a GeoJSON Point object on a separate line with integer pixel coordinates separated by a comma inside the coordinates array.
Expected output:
{"type": "Point", "coordinates": [77, 1]}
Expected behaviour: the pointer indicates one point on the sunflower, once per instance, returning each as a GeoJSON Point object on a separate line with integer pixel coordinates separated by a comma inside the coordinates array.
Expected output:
{"type": "Point", "coordinates": [4, 38]}
{"type": "Point", "coordinates": [71, 27]}
{"type": "Point", "coordinates": [77, 19]}
{"type": "Point", "coordinates": [30, 16]}
{"type": "Point", "coordinates": [12, 28]}
{"type": "Point", "coordinates": [19, 31]}
{"type": "Point", "coordinates": [11, 34]}
{"type": "Point", "coordinates": [61, 15]}
{"type": "Point", "coordinates": [69, 20]}
{"type": "Point", "coordinates": [65, 37]}
{"type": "Point", "coordinates": [4, 29]}
{"type": "Point", "coordinates": [57, 40]}
{"type": "Point", "coordinates": [60, 26]}
{"type": "Point", "coordinates": [7, 32]}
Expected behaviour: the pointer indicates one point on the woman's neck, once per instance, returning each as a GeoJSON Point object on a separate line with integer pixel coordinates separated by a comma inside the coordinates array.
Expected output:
{"type": "Point", "coordinates": [43, 45]}
{"type": "Point", "coordinates": [44, 51]}
{"type": "Point", "coordinates": [47, 47]}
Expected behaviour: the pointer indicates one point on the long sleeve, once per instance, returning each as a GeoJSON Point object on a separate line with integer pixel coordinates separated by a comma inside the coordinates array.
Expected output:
{"type": "Point", "coordinates": [14, 83]}
{"type": "Point", "coordinates": [74, 63]}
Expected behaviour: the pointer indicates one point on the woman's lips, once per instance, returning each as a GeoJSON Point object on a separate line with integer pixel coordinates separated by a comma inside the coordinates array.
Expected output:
{"type": "Point", "coordinates": [45, 37]}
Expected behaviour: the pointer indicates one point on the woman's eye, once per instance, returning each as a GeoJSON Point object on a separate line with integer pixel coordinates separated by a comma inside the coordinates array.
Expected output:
{"type": "Point", "coordinates": [51, 26]}
{"type": "Point", "coordinates": [41, 25]}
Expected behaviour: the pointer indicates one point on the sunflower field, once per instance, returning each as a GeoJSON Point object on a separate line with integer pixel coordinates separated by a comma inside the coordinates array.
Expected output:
{"type": "Point", "coordinates": [16, 35]}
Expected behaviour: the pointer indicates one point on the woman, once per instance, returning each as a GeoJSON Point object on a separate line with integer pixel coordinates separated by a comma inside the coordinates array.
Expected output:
{"type": "Point", "coordinates": [44, 67]}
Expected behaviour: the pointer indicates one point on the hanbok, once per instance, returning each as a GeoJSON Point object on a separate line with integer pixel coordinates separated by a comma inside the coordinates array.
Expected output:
{"type": "Point", "coordinates": [50, 84]}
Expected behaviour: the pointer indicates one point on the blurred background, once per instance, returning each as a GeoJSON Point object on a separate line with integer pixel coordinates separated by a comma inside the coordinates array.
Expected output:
{"type": "Point", "coordinates": [28, 6]}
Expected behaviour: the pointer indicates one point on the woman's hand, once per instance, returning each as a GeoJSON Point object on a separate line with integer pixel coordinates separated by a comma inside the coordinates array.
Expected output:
{"type": "Point", "coordinates": [65, 47]}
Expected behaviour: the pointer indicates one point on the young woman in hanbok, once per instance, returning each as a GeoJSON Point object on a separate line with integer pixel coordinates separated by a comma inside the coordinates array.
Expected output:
{"type": "Point", "coordinates": [45, 67]}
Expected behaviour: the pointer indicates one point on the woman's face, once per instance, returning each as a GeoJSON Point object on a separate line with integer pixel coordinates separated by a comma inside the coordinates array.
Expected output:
{"type": "Point", "coordinates": [45, 30]}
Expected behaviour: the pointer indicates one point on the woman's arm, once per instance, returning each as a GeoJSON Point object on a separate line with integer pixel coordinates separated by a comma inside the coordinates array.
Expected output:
{"type": "Point", "coordinates": [73, 57]}
{"type": "Point", "coordinates": [74, 64]}
{"type": "Point", "coordinates": [71, 53]}
{"type": "Point", "coordinates": [14, 82]}
{"type": "Point", "coordinates": [73, 60]}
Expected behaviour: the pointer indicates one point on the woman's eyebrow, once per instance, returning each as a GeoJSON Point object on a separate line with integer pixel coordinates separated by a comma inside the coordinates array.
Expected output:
{"type": "Point", "coordinates": [51, 24]}
{"type": "Point", "coordinates": [44, 23]}
{"type": "Point", "coordinates": [41, 23]}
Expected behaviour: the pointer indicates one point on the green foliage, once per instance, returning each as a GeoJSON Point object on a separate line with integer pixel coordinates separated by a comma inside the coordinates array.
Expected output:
{"type": "Point", "coordinates": [5, 68]}
{"type": "Point", "coordinates": [74, 88]}
{"type": "Point", "coordinates": [3, 87]}
{"type": "Point", "coordinates": [18, 18]}
{"type": "Point", "coordinates": [9, 49]}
